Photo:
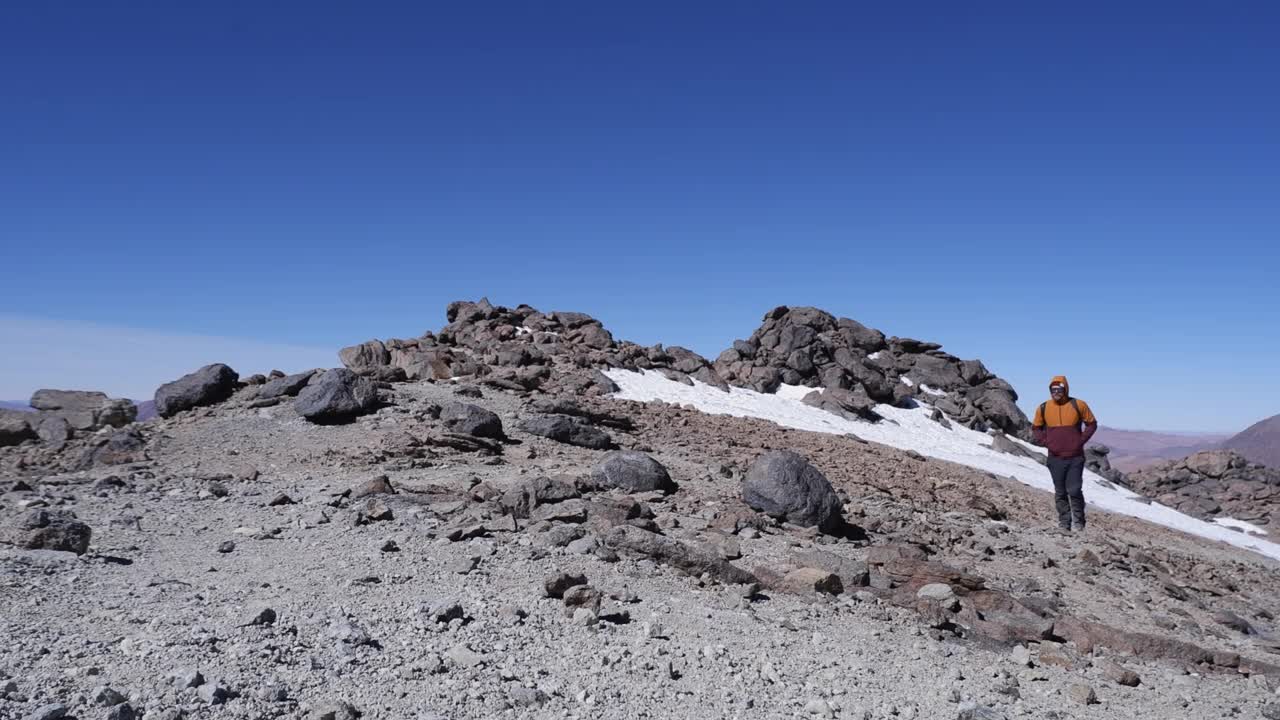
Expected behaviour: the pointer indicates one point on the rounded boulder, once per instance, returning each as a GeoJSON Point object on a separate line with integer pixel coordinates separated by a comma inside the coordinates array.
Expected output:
{"type": "Point", "coordinates": [783, 485]}
{"type": "Point", "coordinates": [632, 471]}
{"type": "Point", "coordinates": [337, 395]}
{"type": "Point", "coordinates": [472, 420]}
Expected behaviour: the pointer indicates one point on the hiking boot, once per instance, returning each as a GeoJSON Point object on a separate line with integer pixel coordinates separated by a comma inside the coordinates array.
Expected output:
{"type": "Point", "coordinates": [1077, 528]}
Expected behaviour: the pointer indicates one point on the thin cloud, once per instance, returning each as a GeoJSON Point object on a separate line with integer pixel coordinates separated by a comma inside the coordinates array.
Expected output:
{"type": "Point", "coordinates": [127, 362]}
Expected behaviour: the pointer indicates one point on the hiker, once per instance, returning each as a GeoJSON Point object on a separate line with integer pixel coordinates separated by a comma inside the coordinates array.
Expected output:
{"type": "Point", "coordinates": [1058, 427]}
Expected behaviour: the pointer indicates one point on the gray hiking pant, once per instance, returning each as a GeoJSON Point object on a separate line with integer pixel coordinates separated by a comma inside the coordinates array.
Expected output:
{"type": "Point", "coordinates": [1068, 481]}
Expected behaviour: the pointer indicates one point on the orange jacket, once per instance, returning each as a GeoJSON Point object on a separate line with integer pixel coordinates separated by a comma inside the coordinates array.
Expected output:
{"type": "Point", "coordinates": [1057, 425]}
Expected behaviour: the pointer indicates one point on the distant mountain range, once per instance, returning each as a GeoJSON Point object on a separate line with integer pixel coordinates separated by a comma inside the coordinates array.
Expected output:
{"type": "Point", "coordinates": [1260, 442]}
{"type": "Point", "coordinates": [1133, 449]}
{"type": "Point", "coordinates": [16, 405]}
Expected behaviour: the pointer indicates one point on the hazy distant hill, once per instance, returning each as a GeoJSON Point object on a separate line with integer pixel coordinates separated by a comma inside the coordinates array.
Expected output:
{"type": "Point", "coordinates": [1132, 449]}
{"type": "Point", "coordinates": [1259, 442]}
{"type": "Point", "coordinates": [146, 409]}
{"type": "Point", "coordinates": [15, 405]}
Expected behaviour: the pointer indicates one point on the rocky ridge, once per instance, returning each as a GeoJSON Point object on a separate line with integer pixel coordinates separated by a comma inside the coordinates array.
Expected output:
{"type": "Point", "coordinates": [853, 366]}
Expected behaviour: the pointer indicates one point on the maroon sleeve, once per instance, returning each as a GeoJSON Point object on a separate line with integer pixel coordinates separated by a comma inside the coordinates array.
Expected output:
{"type": "Point", "coordinates": [1089, 430]}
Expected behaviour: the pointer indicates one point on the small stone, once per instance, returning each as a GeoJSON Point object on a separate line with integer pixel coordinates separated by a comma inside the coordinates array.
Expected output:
{"type": "Point", "coordinates": [56, 711]}
{"type": "Point", "coordinates": [226, 546]}
{"type": "Point", "coordinates": [583, 596]}
{"type": "Point", "coordinates": [262, 616]}
{"type": "Point", "coordinates": [585, 617]}
{"type": "Point", "coordinates": [1082, 694]}
{"type": "Point", "coordinates": [338, 710]}
{"type": "Point", "coordinates": [1021, 656]}
{"type": "Point", "coordinates": [527, 697]}
{"type": "Point", "coordinates": [465, 657]}
{"type": "Point", "coordinates": [189, 678]}
{"type": "Point", "coordinates": [380, 485]}
{"type": "Point", "coordinates": [123, 711]}
{"type": "Point", "coordinates": [970, 710]}
{"type": "Point", "coordinates": [315, 519]}
{"type": "Point", "coordinates": [281, 499]}
{"type": "Point", "coordinates": [213, 693]}
{"type": "Point", "coordinates": [445, 610]}
{"type": "Point", "coordinates": [463, 565]}
{"type": "Point", "coordinates": [651, 630]}
{"type": "Point", "coordinates": [106, 697]}
{"type": "Point", "coordinates": [555, 585]}
{"type": "Point", "coordinates": [808, 580]}
{"type": "Point", "coordinates": [513, 614]}
{"type": "Point", "coordinates": [389, 545]}
{"type": "Point", "coordinates": [820, 708]}
{"type": "Point", "coordinates": [582, 546]}
{"type": "Point", "coordinates": [1120, 675]}
{"type": "Point", "coordinates": [941, 592]}
{"type": "Point", "coordinates": [465, 532]}
{"type": "Point", "coordinates": [1271, 711]}
{"type": "Point", "coordinates": [374, 511]}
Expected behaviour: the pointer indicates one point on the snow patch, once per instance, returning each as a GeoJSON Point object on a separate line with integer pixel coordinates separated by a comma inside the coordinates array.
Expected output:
{"type": "Point", "coordinates": [912, 429]}
{"type": "Point", "coordinates": [1240, 525]}
{"type": "Point", "coordinates": [933, 391]}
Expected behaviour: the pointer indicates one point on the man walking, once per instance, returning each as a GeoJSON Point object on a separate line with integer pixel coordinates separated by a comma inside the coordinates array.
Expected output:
{"type": "Point", "coordinates": [1057, 426]}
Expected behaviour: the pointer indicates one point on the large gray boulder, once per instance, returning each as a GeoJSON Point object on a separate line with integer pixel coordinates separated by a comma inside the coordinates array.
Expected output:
{"type": "Point", "coordinates": [632, 471]}
{"type": "Point", "coordinates": [783, 485]}
{"type": "Point", "coordinates": [15, 427]}
{"type": "Point", "coordinates": [567, 429]}
{"type": "Point", "coordinates": [337, 395]}
{"type": "Point", "coordinates": [209, 385]}
{"type": "Point", "coordinates": [287, 386]}
{"type": "Point", "coordinates": [54, 430]}
{"type": "Point", "coordinates": [47, 530]}
{"type": "Point", "coordinates": [85, 410]}
{"type": "Point", "coordinates": [365, 357]}
{"type": "Point", "coordinates": [472, 420]}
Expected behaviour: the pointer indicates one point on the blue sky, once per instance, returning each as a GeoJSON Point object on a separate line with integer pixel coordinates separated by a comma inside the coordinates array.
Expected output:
{"type": "Point", "coordinates": [1084, 189]}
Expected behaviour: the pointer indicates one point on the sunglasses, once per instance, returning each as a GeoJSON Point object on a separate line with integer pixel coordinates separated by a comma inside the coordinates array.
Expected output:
{"type": "Point", "coordinates": [1057, 389]}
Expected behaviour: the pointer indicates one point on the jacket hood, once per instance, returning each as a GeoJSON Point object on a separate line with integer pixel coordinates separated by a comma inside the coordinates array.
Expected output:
{"type": "Point", "coordinates": [1061, 379]}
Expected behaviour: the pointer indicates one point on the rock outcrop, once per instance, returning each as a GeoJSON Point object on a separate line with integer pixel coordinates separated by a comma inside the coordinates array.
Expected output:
{"type": "Point", "coordinates": [517, 348]}
{"type": "Point", "coordinates": [1212, 484]}
{"type": "Point", "coordinates": [852, 367]}
{"type": "Point", "coordinates": [85, 410]}
{"type": "Point", "coordinates": [857, 365]}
